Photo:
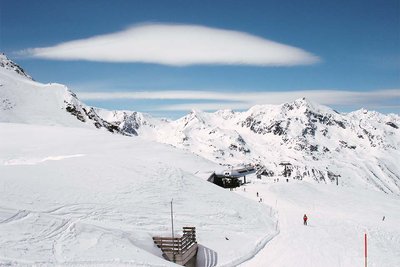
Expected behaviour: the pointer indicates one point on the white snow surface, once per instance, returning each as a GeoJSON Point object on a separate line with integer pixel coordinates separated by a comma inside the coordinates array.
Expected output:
{"type": "Point", "coordinates": [338, 218]}
{"type": "Point", "coordinates": [77, 196]}
{"type": "Point", "coordinates": [81, 196]}
{"type": "Point", "coordinates": [25, 101]}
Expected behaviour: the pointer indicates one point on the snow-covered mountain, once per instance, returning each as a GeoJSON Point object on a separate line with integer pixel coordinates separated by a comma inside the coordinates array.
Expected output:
{"type": "Point", "coordinates": [321, 144]}
{"type": "Point", "coordinates": [22, 100]}
{"type": "Point", "coordinates": [129, 122]}
{"type": "Point", "coordinates": [7, 64]}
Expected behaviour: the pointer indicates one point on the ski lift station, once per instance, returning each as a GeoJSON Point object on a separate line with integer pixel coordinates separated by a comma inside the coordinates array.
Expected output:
{"type": "Point", "coordinates": [231, 178]}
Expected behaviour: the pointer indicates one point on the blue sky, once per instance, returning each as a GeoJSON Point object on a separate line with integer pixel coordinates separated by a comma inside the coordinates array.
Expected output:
{"type": "Point", "coordinates": [345, 54]}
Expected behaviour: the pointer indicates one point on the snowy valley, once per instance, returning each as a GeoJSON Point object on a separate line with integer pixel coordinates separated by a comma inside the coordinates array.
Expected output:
{"type": "Point", "coordinates": [86, 186]}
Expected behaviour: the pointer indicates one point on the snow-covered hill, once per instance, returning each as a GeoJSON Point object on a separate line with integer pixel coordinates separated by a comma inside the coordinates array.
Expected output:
{"type": "Point", "coordinates": [23, 100]}
{"type": "Point", "coordinates": [71, 196]}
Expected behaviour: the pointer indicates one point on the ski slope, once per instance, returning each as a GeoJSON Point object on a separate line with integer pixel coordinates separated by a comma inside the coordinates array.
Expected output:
{"type": "Point", "coordinates": [338, 219]}
{"type": "Point", "coordinates": [75, 196]}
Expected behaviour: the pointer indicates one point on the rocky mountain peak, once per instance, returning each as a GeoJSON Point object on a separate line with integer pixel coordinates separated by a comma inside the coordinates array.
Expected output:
{"type": "Point", "coordinates": [8, 64]}
{"type": "Point", "coordinates": [194, 117]}
{"type": "Point", "coordinates": [305, 105]}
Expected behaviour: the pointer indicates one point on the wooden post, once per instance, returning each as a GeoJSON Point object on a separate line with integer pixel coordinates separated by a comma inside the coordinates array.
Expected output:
{"type": "Point", "coordinates": [173, 240]}
{"type": "Point", "coordinates": [245, 179]}
{"type": "Point", "coordinates": [365, 248]}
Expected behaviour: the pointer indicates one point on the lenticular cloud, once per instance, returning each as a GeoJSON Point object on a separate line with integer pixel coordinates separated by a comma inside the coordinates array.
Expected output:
{"type": "Point", "coordinates": [178, 45]}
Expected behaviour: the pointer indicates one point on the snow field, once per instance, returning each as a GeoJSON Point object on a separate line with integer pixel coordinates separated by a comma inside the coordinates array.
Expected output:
{"type": "Point", "coordinates": [102, 197]}
{"type": "Point", "coordinates": [338, 218]}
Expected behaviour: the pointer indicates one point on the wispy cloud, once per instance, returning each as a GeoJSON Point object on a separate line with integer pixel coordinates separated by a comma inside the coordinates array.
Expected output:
{"type": "Point", "coordinates": [177, 45]}
{"type": "Point", "coordinates": [243, 100]}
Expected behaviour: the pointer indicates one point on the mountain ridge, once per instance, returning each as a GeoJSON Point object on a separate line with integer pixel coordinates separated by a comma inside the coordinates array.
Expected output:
{"type": "Point", "coordinates": [321, 144]}
{"type": "Point", "coordinates": [23, 100]}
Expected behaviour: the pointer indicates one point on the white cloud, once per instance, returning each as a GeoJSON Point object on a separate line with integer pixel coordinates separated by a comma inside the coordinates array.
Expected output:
{"type": "Point", "coordinates": [177, 45]}
{"type": "Point", "coordinates": [245, 100]}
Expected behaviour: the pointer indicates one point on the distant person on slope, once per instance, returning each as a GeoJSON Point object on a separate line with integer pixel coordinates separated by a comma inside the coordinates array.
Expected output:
{"type": "Point", "coordinates": [305, 219]}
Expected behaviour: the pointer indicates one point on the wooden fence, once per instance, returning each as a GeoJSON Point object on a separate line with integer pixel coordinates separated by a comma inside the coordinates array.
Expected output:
{"type": "Point", "coordinates": [178, 249]}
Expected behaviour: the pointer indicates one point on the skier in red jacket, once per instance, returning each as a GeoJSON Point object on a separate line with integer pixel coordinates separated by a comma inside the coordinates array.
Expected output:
{"type": "Point", "coordinates": [305, 219]}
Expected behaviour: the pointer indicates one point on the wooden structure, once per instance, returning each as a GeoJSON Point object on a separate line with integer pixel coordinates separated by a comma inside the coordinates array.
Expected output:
{"type": "Point", "coordinates": [179, 249]}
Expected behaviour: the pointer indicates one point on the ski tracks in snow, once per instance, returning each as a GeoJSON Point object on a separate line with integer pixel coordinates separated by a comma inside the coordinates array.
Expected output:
{"type": "Point", "coordinates": [335, 231]}
{"type": "Point", "coordinates": [66, 232]}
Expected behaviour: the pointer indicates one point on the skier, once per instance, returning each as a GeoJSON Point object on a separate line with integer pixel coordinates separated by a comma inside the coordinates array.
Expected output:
{"type": "Point", "coordinates": [305, 219]}
{"type": "Point", "coordinates": [257, 194]}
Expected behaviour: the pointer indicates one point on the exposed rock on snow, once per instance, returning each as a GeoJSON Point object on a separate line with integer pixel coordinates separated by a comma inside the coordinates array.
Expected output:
{"type": "Point", "coordinates": [7, 64]}
{"type": "Point", "coordinates": [128, 122]}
